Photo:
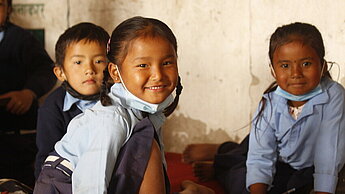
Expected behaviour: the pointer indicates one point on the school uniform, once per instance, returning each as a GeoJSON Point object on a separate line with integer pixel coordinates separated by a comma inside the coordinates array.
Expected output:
{"type": "Point", "coordinates": [230, 160]}
{"type": "Point", "coordinates": [316, 139]}
{"type": "Point", "coordinates": [94, 139]}
{"type": "Point", "coordinates": [54, 116]}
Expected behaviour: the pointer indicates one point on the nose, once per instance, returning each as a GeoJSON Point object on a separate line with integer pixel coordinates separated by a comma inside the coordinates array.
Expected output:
{"type": "Point", "coordinates": [89, 69]}
{"type": "Point", "coordinates": [296, 71]}
{"type": "Point", "coordinates": [156, 73]}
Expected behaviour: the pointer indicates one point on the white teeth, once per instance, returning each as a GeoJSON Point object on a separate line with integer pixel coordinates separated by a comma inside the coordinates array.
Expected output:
{"type": "Point", "coordinates": [155, 87]}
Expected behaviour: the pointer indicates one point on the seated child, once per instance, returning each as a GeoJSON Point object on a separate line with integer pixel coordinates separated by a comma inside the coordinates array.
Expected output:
{"type": "Point", "coordinates": [297, 139]}
{"type": "Point", "coordinates": [80, 60]}
{"type": "Point", "coordinates": [298, 134]}
{"type": "Point", "coordinates": [143, 66]}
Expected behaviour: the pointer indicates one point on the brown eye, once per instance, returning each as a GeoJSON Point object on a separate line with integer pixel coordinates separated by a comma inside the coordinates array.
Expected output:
{"type": "Point", "coordinates": [142, 65]}
{"type": "Point", "coordinates": [99, 61]}
{"type": "Point", "coordinates": [284, 65]}
{"type": "Point", "coordinates": [306, 64]}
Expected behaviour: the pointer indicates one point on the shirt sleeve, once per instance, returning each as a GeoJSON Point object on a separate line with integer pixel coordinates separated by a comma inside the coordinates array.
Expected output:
{"type": "Point", "coordinates": [330, 145]}
{"type": "Point", "coordinates": [262, 154]}
{"type": "Point", "coordinates": [106, 135]}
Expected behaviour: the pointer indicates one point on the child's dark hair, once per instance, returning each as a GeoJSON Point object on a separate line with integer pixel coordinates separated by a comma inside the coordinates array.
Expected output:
{"type": "Point", "coordinates": [308, 34]}
{"type": "Point", "coordinates": [82, 31]}
{"type": "Point", "coordinates": [121, 38]}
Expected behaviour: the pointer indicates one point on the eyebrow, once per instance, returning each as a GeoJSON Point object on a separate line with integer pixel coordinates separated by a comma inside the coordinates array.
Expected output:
{"type": "Point", "coordinates": [83, 56]}
{"type": "Point", "coordinates": [302, 59]}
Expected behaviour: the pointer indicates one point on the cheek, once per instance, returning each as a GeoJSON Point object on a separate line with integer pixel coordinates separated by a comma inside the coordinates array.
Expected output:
{"type": "Point", "coordinates": [100, 68]}
{"type": "Point", "coordinates": [134, 79]}
{"type": "Point", "coordinates": [137, 78]}
{"type": "Point", "coordinates": [281, 76]}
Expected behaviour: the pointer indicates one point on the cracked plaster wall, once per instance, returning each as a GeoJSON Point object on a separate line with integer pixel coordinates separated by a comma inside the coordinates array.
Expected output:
{"type": "Point", "coordinates": [222, 49]}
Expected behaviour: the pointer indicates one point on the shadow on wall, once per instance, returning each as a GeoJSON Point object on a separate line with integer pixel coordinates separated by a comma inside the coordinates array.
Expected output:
{"type": "Point", "coordinates": [179, 131]}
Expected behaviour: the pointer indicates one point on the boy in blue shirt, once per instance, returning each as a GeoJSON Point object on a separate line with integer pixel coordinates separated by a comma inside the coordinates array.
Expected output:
{"type": "Point", "coordinates": [80, 60]}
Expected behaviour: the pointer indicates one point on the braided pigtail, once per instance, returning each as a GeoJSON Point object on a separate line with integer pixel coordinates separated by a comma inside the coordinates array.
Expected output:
{"type": "Point", "coordinates": [105, 88]}
{"type": "Point", "coordinates": [170, 109]}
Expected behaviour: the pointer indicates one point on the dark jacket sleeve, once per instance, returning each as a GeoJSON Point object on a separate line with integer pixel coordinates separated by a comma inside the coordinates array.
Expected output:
{"type": "Point", "coordinates": [51, 125]}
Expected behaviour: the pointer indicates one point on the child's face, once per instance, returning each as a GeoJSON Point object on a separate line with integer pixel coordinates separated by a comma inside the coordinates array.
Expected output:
{"type": "Point", "coordinates": [83, 66]}
{"type": "Point", "coordinates": [297, 67]}
{"type": "Point", "coordinates": [149, 70]}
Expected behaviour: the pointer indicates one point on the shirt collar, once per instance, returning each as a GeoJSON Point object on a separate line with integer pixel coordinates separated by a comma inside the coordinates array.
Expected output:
{"type": "Point", "coordinates": [81, 104]}
{"type": "Point", "coordinates": [308, 109]}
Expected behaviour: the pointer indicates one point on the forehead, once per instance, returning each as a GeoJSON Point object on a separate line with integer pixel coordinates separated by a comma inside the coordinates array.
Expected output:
{"type": "Point", "coordinates": [294, 50]}
{"type": "Point", "coordinates": [150, 42]}
{"type": "Point", "coordinates": [84, 42]}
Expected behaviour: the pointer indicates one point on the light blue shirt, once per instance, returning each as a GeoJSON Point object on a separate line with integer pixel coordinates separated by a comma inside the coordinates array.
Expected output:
{"type": "Point", "coordinates": [81, 104]}
{"type": "Point", "coordinates": [316, 138]}
{"type": "Point", "coordinates": [94, 138]}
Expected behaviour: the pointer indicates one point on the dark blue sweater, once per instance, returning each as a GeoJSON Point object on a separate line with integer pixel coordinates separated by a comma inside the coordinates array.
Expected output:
{"type": "Point", "coordinates": [52, 125]}
{"type": "Point", "coordinates": [24, 63]}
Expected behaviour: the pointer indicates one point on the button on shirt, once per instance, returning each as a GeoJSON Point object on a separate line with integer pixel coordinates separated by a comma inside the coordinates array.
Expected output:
{"type": "Point", "coordinates": [316, 138]}
{"type": "Point", "coordinates": [94, 138]}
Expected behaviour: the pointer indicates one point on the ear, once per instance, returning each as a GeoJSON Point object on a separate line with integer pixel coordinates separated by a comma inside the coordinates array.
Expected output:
{"type": "Point", "coordinates": [113, 72]}
{"type": "Point", "coordinates": [58, 71]}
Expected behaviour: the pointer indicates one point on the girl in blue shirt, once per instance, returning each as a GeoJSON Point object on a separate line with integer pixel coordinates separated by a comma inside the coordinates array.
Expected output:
{"type": "Point", "coordinates": [142, 57]}
{"type": "Point", "coordinates": [297, 140]}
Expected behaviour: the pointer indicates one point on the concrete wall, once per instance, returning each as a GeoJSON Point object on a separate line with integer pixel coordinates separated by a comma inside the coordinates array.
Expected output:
{"type": "Point", "coordinates": [222, 51]}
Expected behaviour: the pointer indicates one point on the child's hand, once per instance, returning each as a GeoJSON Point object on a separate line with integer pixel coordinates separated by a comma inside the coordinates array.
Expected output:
{"type": "Point", "coordinates": [20, 101]}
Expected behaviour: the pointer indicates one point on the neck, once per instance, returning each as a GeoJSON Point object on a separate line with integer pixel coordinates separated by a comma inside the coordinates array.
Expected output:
{"type": "Point", "coordinates": [296, 103]}
{"type": "Point", "coordinates": [76, 94]}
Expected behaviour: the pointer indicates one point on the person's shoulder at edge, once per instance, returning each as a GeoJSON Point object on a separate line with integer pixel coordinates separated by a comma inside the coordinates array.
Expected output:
{"type": "Point", "coordinates": [15, 29]}
{"type": "Point", "coordinates": [56, 97]}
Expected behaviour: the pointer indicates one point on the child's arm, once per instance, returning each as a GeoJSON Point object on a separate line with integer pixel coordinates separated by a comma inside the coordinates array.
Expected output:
{"type": "Point", "coordinates": [105, 136]}
{"type": "Point", "coordinates": [262, 154]}
{"type": "Point", "coordinates": [258, 188]}
{"type": "Point", "coordinates": [329, 151]}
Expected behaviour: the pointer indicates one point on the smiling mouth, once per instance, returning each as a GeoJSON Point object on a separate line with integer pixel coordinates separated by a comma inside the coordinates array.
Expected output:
{"type": "Point", "coordinates": [155, 88]}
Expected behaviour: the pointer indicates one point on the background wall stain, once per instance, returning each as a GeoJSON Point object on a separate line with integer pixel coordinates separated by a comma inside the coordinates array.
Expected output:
{"type": "Point", "coordinates": [179, 131]}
